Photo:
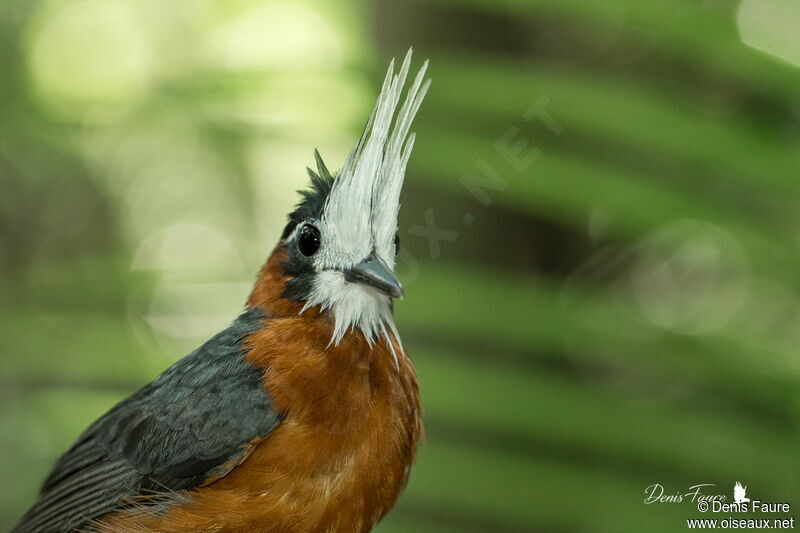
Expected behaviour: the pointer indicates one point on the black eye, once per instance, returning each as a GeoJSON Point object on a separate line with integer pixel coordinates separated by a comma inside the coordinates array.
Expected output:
{"type": "Point", "coordinates": [396, 243]}
{"type": "Point", "coordinates": [308, 240]}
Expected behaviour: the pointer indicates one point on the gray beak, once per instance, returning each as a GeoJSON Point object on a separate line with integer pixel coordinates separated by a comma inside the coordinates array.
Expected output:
{"type": "Point", "coordinates": [373, 272]}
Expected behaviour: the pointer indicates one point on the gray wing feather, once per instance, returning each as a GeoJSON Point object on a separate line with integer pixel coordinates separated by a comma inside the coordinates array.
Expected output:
{"type": "Point", "coordinates": [168, 437]}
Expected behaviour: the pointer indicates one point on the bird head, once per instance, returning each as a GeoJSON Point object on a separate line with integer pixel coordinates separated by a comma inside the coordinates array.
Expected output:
{"type": "Point", "coordinates": [337, 252]}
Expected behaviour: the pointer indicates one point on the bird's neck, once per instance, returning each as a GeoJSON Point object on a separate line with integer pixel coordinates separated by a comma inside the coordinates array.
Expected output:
{"type": "Point", "coordinates": [267, 293]}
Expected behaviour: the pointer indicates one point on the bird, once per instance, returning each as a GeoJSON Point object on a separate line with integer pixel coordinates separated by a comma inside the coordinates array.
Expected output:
{"type": "Point", "coordinates": [304, 414]}
{"type": "Point", "coordinates": [739, 493]}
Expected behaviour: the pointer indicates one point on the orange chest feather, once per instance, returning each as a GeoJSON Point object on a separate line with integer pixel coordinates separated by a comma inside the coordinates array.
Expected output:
{"type": "Point", "coordinates": [339, 458]}
{"type": "Point", "coordinates": [342, 454]}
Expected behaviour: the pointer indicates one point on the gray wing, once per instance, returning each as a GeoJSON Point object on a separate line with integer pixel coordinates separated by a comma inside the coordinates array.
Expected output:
{"type": "Point", "coordinates": [192, 423]}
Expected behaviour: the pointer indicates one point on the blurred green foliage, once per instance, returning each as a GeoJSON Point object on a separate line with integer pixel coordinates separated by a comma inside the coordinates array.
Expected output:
{"type": "Point", "coordinates": [610, 298]}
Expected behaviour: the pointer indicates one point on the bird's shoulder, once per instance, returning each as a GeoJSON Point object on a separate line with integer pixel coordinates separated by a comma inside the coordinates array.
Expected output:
{"type": "Point", "coordinates": [191, 416]}
{"type": "Point", "coordinates": [194, 423]}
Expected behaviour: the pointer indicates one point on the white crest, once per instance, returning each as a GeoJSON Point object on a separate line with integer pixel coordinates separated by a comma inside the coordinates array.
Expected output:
{"type": "Point", "coordinates": [360, 214]}
{"type": "Point", "coordinates": [361, 211]}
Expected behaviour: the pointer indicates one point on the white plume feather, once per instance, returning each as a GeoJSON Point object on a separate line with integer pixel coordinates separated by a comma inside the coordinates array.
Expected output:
{"type": "Point", "coordinates": [361, 211]}
{"type": "Point", "coordinates": [360, 214]}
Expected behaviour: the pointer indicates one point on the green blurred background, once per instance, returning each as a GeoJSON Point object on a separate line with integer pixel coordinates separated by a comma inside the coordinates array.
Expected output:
{"type": "Point", "coordinates": [600, 230]}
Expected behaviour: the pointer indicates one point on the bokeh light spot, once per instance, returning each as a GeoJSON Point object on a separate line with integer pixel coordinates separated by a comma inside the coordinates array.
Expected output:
{"type": "Point", "coordinates": [689, 276]}
{"type": "Point", "coordinates": [772, 26]}
{"type": "Point", "coordinates": [188, 302]}
{"type": "Point", "coordinates": [90, 59]}
{"type": "Point", "coordinates": [187, 247]}
{"type": "Point", "coordinates": [276, 34]}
